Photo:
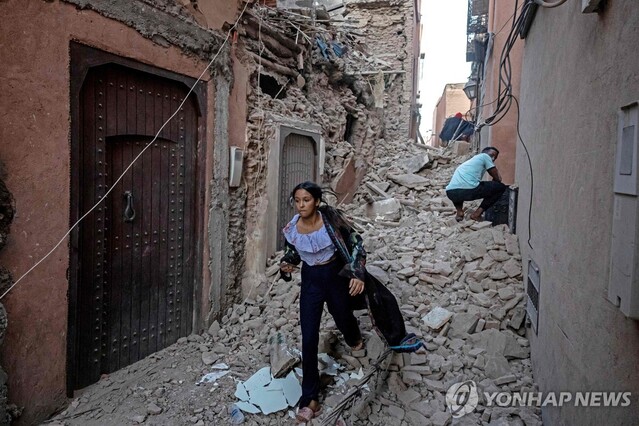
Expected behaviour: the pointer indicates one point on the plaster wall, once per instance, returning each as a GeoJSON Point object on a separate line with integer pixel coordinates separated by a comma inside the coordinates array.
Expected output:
{"type": "Point", "coordinates": [578, 70]}
{"type": "Point", "coordinates": [35, 149]}
{"type": "Point", "coordinates": [502, 135]}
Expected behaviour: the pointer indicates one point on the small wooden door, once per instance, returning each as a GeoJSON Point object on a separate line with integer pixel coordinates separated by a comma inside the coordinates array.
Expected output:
{"type": "Point", "coordinates": [136, 252]}
{"type": "Point", "coordinates": [298, 164]}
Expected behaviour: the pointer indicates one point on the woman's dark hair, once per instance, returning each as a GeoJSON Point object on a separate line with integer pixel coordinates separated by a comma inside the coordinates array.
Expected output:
{"type": "Point", "coordinates": [334, 215]}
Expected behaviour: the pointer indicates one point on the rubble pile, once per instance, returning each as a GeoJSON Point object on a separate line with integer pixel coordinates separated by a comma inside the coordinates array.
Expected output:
{"type": "Point", "coordinates": [459, 286]}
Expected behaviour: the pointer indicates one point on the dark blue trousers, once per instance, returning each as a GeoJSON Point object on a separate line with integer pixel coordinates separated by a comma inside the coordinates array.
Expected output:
{"type": "Point", "coordinates": [321, 284]}
{"type": "Point", "coordinates": [490, 191]}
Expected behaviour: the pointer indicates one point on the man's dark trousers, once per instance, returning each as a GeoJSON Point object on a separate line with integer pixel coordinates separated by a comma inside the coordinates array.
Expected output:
{"type": "Point", "coordinates": [490, 191]}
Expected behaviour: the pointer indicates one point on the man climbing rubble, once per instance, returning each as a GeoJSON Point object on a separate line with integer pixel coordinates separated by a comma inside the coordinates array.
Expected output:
{"type": "Point", "coordinates": [466, 183]}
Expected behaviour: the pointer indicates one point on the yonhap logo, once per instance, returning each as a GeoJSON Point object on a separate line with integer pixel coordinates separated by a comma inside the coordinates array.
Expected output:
{"type": "Point", "coordinates": [462, 398]}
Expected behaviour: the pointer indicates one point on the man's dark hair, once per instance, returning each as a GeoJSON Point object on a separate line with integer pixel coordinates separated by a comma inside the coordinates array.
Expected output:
{"type": "Point", "coordinates": [490, 148]}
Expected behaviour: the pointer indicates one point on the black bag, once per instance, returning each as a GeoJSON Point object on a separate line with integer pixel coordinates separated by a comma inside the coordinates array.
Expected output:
{"type": "Point", "coordinates": [385, 313]}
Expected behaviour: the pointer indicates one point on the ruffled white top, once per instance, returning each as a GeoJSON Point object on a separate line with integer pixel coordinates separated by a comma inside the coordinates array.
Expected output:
{"type": "Point", "coordinates": [313, 248]}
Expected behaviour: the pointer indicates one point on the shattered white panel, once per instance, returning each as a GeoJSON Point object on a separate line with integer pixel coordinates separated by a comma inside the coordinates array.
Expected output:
{"type": "Point", "coordinates": [291, 388]}
{"type": "Point", "coordinates": [247, 407]}
{"type": "Point", "coordinates": [213, 377]}
{"type": "Point", "coordinates": [328, 365]}
{"type": "Point", "coordinates": [259, 379]}
{"type": "Point", "coordinates": [269, 401]}
{"type": "Point", "coordinates": [241, 393]}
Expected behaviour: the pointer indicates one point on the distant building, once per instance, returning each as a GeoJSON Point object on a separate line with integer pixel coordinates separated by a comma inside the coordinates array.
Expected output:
{"type": "Point", "coordinates": [452, 101]}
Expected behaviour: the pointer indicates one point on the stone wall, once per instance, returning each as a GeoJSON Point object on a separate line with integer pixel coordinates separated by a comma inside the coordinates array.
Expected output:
{"type": "Point", "coordinates": [386, 31]}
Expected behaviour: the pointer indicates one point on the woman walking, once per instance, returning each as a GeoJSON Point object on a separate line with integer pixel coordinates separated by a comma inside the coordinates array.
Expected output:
{"type": "Point", "coordinates": [314, 236]}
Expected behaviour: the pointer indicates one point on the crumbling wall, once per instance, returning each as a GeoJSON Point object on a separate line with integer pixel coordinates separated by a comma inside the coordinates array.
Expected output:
{"type": "Point", "coordinates": [166, 22]}
{"type": "Point", "coordinates": [386, 38]}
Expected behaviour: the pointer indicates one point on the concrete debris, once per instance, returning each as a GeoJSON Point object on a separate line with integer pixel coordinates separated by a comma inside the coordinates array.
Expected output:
{"type": "Point", "coordinates": [459, 286]}
{"type": "Point", "coordinates": [437, 318]}
{"type": "Point", "coordinates": [409, 180]}
{"type": "Point", "coordinates": [282, 358]}
{"type": "Point", "coordinates": [389, 209]}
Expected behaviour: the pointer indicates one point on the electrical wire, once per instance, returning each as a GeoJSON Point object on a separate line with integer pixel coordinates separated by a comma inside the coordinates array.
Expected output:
{"type": "Point", "coordinates": [532, 180]}
{"type": "Point", "coordinates": [150, 144]}
{"type": "Point", "coordinates": [504, 88]}
{"type": "Point", "coordinates": [505, 97]}
{"type": "Point", "coordinates": [543, 3]}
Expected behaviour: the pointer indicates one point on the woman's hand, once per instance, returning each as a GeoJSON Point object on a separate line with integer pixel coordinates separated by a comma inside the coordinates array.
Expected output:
{"type": "Point", "coordinates": [287, 268]}
{"type": "Point", "coordinates": [355, 287]}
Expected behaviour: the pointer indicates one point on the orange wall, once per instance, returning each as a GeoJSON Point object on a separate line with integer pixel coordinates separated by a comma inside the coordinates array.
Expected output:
{"type": "Point", "coordinates": [502, 135]}
{"type": "Point", "coordinates": [34, 135]}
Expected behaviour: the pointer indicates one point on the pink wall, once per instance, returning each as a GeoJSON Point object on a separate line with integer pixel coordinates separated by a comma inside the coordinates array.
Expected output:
{"type": "Point", "coordinates": [502, 135]}
{"type": "Point", "coordinates": [35, 148]}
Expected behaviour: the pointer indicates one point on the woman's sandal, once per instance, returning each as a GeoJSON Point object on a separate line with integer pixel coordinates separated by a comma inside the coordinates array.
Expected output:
{"type": "Point", "coordinates": [304, 415]}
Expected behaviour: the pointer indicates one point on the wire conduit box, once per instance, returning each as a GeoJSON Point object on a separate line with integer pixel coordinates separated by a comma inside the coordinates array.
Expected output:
{"type": "Point", "coordinates": [235, 167]}
{"type": "Point", "coordinates": [623, 285]}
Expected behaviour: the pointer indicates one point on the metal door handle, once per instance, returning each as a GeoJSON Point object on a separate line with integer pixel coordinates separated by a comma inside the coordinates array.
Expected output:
{"type": "Point", "coordinates": [129, 211]}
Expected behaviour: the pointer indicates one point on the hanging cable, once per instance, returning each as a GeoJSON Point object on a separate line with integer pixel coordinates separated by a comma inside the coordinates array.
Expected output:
{"type": "Point", "coordinates": [543, 3]}
{"type": "Point", "coordinates": [532, 181]}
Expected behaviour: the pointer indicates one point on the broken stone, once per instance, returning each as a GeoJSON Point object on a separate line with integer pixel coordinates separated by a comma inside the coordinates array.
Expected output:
{"type": "Point", "coordinates": [395, 412]}
{"type": "Point", "coordinates": [517, 320]}
{"type": "Point", "coordinates": [512, 268]}
{"type": "Point", "coordinates": [415, 164]}
{"type": "Point", "coordinates": [499, 255]}
{"type": "Point", "coordinates": [496, 366]}
{"type": "Point", "coordinates": [377, 189]}
{"type": "Point", "coordinates": [436, 385]}
{"type": "Point", "coordinates": [480, 325]}
{"type": "Point", "coordinates": [437, 317]}
{"type": "Point", "coordinates": [282, 359]}
{"type": "Point", "coordinates": [463, 324]}
{"type": "Point", "coordinates": [441, 418]}
{"type": "Point", "coordinates": [409, 180]}
{"type": "Point", "coordinates": [214, 329]}
{"type": "Point", "coordinates": [509, 378]}
{"type": "Point", "coordinates": [378, 273]}
{"type": "Point", "coordinates": [415, 418]}
{"type": "Point", "coordinates": [480, 225]}
{"type": "Point", "coordinates": [411, 377]}
{"type": "Point", "coordinates": [153, 409]}
{"type": "Point", "coordinates": [506, 293]}
{"type": "Point", "coordinates": [209, 358]}
{"type": "Point", "coordinates": [389, 209]}
{"type": "Point", "coordinates": [409, 396]}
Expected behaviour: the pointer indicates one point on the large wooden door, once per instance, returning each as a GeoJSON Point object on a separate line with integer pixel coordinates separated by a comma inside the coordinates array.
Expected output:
{"type": "Point", "coordinates": [298, 164]}
{"type": "Point", "coordinates": [136, 252]}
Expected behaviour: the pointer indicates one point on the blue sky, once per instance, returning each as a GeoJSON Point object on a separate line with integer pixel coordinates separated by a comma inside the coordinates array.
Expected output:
{"type": "Point", "coordinates": [444, 46]}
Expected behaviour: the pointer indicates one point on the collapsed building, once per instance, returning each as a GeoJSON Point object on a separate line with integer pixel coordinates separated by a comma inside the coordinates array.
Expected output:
{"type": "Point", "coordinates": [289, 94]}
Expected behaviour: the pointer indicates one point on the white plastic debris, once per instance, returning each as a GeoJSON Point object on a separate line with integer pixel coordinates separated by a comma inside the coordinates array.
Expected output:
{"type": "Point", "coordinates": [291, 388]}
{"type": "Point", "coordinates": [268, 394]}
{"type": "Point", "coordinates": [241, 393]}
{"type": "Point", "coordinates": [328, 365]}
{"type": "Point", "coordinates": [247, 407]}
{"type": "Point", "coordinates": [220, 366]}
{"type": "Point", "coordinates": [213, 377]}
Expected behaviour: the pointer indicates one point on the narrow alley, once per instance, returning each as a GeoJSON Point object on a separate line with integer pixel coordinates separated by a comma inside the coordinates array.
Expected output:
{"type": "Point", "coordinates": [170, 174]}
{"type": "Point", "coordinates": [459, 286]}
